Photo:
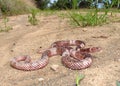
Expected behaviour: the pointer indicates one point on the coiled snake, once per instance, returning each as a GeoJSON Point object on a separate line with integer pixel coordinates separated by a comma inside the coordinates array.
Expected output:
{"type": "Point", "coordinates": [75, 59]}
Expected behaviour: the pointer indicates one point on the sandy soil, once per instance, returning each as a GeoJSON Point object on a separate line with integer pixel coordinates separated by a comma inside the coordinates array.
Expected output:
{"type": "Point", "coordinates": [26, 39]}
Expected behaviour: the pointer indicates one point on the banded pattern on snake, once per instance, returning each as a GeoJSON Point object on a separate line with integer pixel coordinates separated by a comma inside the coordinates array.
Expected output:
{"type": "Point", "coordinates": [75, 59]}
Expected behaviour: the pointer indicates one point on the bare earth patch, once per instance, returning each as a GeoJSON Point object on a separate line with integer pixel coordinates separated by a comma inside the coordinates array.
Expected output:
{"type": "Point", "coordinates": [26, 39]}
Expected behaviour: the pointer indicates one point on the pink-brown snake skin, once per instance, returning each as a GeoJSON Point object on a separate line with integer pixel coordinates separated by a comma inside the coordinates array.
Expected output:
{"type": "Point", "coordinates": [75, 59]}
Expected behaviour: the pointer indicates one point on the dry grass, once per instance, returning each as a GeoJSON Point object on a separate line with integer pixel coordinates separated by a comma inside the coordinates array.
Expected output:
{"type": "Point", "coordinates": [13, 7]}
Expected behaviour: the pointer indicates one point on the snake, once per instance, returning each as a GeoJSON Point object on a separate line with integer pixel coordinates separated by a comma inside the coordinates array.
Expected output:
{"type": "Point", "coordinates": [74, 58]}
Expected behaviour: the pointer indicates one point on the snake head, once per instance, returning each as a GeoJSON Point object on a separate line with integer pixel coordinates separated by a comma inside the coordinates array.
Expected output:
{"type": "Point", "coordinates": [95, 49]}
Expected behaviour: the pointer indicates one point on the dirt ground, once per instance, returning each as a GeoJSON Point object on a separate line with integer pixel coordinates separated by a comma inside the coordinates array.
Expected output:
{"type": "Point", "coordinates": [26, 39]}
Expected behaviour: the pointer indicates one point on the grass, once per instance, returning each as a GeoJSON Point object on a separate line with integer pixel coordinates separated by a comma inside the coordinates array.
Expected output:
{"type": "Point", "coordinates": [87, 19]}
{"type": "Point", "coordinates": [79, 78]}
{"type": "Point", "coordinates": [13, 7]}
{"type": "Point", "coordinates": [90, 17]}
{"type": "Point", "coordinates": [32, 17]}
{"type": "Point", "coordinates": [5, 27]}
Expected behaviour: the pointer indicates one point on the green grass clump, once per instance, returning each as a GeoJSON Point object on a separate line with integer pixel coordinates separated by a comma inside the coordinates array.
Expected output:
{"type": "Point", "coordinates": [88, 19]}
{"type": "Point", "coordinates": [32, 17]}
{"type": "Point", "coordinates": [13, 7]}
{"type": "Point", "coordinates": [5, 27]}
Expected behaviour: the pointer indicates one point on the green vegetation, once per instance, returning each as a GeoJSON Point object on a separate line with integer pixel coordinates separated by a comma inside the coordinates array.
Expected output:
{"type": "Point", "coordinates": [32, 17]}
{"type": "Point", "coordinates": [93, 18]}
{"type": "Point", "coordinates": [74, 4]}
{"type": "Point", "coordinates": [13, 7]}
{"type": "Point", "coordinates": [88, 19]}
{"type": "Point", "coordinates": [42, 4]}
{"type": "Point", "coordinates": [61, 4]}
{"type": "Point", "coordinates": [79, 78]}
{"type": "Point", "coordinates": [71, 4]}
{"type": "Point", "coordinates": [114, 3]}
{"type": "Point", "coordinates": [5, 28]}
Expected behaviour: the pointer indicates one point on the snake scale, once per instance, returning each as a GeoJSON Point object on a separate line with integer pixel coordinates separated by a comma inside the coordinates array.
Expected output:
{"type": "Point", "coordinates": [73, 58]}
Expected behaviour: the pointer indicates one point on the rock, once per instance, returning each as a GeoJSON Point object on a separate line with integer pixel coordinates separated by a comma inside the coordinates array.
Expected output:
{"type": "Point", "coordinates": [41, 79]}
{"type": "Point", "coordinates": [12, 50]}
{"type": "Point", "coordinates": [54, 67]}
{"type": "Point", "coordinates": [84, 30]}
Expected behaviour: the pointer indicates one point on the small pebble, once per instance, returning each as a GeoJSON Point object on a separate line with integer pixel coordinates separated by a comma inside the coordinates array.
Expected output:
{"type": "Point", "coordinates": [41, 79]}
{"type": "Point", "coordinates": [40, 47]}
{"type": "Point", "coordinates": [14, 44]}
{"type": "Point", "coordinates": [84, 29]}
{"type": "Point", "coordinates": [12, 50]}
{"type": "Point", "coordinates": [54, 67]}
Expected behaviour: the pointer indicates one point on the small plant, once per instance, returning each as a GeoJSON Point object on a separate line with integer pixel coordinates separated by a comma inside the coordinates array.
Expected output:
{"type": "Point", "coordinates": [79, 78]}
{"type": "Point", "coordinates": [74, 4]}
{"type": "Point", "coordinates": [5, 20]}
{"type": "Point", "coordinates": [88, 19]}
{"type": "Point", "coordinates": [32, 18]}
{"type": "Point", "coordinates": [6, 28]}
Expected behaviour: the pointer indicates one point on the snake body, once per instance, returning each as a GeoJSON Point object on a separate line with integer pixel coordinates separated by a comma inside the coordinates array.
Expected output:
{"type": "Point", "coordinates": [78, 58]}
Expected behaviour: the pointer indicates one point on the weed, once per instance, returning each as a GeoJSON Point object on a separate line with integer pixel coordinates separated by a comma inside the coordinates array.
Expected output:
{"type": "Point", "coordinates": [6, 28]}
{"type": "Point", "coordinates": [32, 18]}
{"type": "Point", "coordinates": [79, 78]}
{"type": "Point", "coordinates": [74, 4]}
{"type": "Point", "coordinates": [88, 19]}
